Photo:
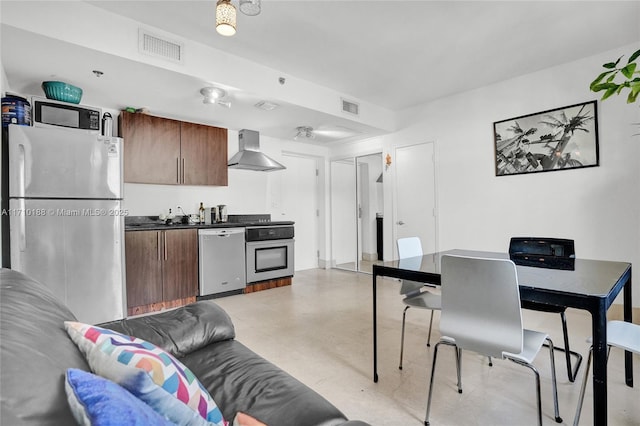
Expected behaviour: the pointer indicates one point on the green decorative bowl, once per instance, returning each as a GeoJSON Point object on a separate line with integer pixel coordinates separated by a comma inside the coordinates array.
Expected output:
{"type": "Point", "coordinates": [59, 91]}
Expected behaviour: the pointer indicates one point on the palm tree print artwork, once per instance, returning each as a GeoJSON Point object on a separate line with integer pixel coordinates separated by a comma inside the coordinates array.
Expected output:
{"type": "Point", "coordinates": [563, 138]}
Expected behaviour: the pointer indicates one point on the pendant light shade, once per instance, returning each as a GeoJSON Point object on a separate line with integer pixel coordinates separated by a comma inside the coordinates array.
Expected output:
{"type": "Point", "coordinates": [225, 18]}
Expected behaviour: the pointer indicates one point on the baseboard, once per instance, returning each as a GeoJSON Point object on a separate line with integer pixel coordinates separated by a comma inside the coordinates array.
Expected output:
{"type": "Point", "coordinates": [266, 285]}
{"type": "Point", "coordinates": [160, 306]}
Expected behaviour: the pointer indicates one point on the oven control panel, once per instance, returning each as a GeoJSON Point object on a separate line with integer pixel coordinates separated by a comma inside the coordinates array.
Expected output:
{"type": "Point", "coordinates": [266, 233]}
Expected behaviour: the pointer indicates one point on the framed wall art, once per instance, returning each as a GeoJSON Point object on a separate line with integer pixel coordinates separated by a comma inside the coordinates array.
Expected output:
{"type": "Point", "coordinates": [557, 139]}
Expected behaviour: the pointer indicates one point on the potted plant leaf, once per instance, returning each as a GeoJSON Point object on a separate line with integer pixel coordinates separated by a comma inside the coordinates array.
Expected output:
{"type": "Point", "coordinates": [609, 82]}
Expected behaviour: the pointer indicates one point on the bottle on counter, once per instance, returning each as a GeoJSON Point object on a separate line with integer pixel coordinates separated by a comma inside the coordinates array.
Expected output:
{"type": "Point", "coordinates": [201, 213]}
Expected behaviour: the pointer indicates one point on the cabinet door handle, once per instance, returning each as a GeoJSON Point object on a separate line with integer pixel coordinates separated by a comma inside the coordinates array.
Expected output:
{"type": "Point", "coordinates": [183, 167]}
{"type": "Point", "coordinates": [158, 241]}
{"type": "Point", "coordinates": [165, 246]}
{"type": "Point", "coordinates": [178, 170]}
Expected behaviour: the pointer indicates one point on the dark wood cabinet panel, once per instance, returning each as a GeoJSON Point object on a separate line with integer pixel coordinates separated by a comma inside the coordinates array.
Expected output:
{"type": "Point", "coordinates": [143, 251]}
{"type": "Point", "coordinates": [151, 148]}
{"type": "Point", "coordinates": [163, 151]}
{"type": "Point", "coordinates": [162, 269]}
{"type": "Point", "coordinates": [204, 154]}
{"type": "Point", "coordinates": [180, 269]}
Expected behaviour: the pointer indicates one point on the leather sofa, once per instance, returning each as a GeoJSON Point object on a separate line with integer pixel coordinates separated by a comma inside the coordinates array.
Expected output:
{"type": "Point", "coordinates": [35, 352]}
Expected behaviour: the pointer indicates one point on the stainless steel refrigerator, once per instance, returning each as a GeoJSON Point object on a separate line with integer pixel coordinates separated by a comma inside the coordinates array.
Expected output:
{"type": "Point", "coordinates": [66, 218]}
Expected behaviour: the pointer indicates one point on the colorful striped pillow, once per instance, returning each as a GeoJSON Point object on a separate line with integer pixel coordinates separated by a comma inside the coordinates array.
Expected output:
{"type": "Point", "coordinates": [119, 358]}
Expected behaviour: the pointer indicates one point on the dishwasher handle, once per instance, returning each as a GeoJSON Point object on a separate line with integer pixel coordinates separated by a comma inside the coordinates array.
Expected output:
{"type": "Point", "coordinates": [222, 233]}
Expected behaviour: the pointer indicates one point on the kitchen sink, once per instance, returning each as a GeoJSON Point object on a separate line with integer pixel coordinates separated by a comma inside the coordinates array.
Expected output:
{"type": "Point", "coordinates": [143, 225]}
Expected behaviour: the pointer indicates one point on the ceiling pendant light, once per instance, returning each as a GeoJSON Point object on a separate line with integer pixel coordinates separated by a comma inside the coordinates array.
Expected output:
{"type": "Point", "coordinates": [225, 18]}
{"type": "Point", "coordinates": [250, 7]}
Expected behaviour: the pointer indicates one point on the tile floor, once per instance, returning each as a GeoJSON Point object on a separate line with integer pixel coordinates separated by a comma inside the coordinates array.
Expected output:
{"type": "Point", "coordinates": [319, 330]}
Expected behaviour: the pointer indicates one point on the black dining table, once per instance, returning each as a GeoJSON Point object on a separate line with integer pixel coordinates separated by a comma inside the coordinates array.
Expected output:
{"type": "Point", "coordinates": [592, 285]}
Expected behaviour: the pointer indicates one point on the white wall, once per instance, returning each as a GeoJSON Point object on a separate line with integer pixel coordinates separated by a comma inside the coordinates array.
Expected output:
{"type": "Point", "coordinates": [599, 207]}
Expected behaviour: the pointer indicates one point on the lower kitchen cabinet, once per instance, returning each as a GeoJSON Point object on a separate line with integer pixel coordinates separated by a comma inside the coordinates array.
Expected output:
{"type": "Point", "coordinates": [162, 269]}
{"type": "Point", "coordinates": [144, 267]}
{"type": "Point", "coordinates": [180, 267]}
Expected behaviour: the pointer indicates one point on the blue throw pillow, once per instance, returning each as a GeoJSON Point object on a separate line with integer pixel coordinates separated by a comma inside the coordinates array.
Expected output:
{"type": "Point", "coordinates": [96, 401]}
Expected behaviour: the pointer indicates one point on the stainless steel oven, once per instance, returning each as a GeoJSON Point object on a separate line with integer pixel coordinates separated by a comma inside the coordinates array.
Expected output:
{"type": "Point", "coordinates": [270, 252]}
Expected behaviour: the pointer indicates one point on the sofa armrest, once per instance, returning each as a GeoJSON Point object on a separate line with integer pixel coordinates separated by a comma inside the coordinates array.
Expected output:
{"type": "Point", "coordinates": [180, 331]}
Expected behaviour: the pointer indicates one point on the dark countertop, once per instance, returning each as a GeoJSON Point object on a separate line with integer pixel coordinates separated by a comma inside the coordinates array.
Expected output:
{"type": "Point", "coordinates": [153, 223]}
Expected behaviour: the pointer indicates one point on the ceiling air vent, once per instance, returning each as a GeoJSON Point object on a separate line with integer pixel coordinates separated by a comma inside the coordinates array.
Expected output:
{"type": "Point", "coordinates": [350, 107]}
{"type": "Point", "coordinates": [151, 44]}
{"type": "Point", "coordinates": [266, 105]}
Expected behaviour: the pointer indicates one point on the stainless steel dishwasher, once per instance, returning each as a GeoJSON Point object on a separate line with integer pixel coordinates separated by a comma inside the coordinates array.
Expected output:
{"type": "Point", "coordinates": [222, 265]}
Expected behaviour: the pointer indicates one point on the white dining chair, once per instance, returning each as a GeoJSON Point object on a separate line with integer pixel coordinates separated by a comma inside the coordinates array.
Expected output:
{"type": "Point", "coordinates": [481, 313]}
{"type": "Point", "coordinates": [415, 293]}
{"type": "Point", "coordinates": [621, 334]}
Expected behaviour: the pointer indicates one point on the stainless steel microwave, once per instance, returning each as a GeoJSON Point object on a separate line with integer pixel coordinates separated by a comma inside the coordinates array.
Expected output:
{"type": "Point", "coordinates": [47, 113]}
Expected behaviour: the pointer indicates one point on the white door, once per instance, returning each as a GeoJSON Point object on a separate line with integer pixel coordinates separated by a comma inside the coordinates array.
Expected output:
{"type": "Point", "coordinates": [416, 195]}
{"type": "Point", "coordinates": [344, 217]}
{"type": "Point", "coordinates": [300, 204]}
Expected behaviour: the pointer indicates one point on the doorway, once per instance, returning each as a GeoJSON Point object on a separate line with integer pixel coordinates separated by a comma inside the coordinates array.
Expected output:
{"type": "Point", "coordinates": [415, 192]}
{"type": "Point", "coordinates": [299, 183]}
{"type": "Point", "coordinates": [356, 211]}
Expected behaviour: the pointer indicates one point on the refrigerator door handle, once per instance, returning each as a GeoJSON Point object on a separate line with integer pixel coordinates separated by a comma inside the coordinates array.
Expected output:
{"type": "Point", "coordinates": [22, 225]}
{"type": "Point", "coordinates": [22, 212]}
{"type": "Point", "coordinates": [21, 175]}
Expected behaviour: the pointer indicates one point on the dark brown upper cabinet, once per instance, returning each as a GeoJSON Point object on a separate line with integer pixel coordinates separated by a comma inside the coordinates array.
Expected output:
{"type": "Point", "coordinates": [163, 151]}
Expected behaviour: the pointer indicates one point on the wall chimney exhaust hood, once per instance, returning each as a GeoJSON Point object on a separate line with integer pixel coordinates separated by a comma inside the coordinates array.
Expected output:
{"type": "Point", "coordinates": [249, 157]}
